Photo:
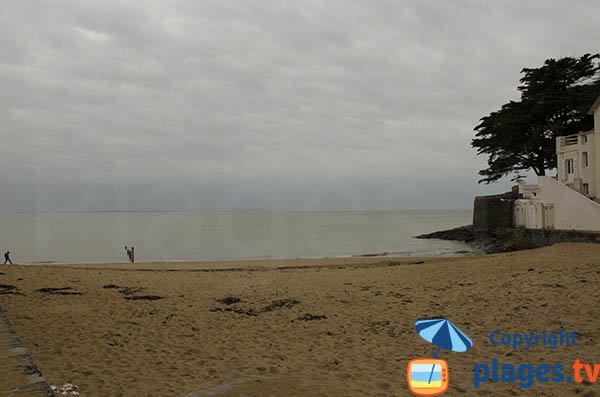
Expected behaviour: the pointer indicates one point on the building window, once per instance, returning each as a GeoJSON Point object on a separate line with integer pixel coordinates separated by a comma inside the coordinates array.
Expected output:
{"type": "Point", "coordinates": [584, 139]}
{"type": "Point", "coordinates": [584, 159]}
{"type": "Point", "coordinates": [586, 189]}
{"type": "Point", "coordinates": [570, 168]}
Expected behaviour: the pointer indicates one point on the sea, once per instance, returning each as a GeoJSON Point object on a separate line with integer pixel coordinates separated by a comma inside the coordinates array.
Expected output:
{"type": "Point", "coordinates": [97, 237]}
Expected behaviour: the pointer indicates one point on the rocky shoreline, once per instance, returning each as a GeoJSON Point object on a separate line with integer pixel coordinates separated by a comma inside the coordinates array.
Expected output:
{"type": "Point", "coordinates": [512, 239]}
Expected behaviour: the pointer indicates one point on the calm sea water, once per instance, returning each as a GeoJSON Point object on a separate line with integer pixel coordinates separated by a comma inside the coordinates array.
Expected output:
{"type": "Point", "coordinates": [101, 237]}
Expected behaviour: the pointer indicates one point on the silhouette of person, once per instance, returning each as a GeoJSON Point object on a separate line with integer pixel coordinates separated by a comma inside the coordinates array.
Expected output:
{"type": "Point", "coordinates": [128, 253]}
{"type": "Point", "coordinates": [7, 258]}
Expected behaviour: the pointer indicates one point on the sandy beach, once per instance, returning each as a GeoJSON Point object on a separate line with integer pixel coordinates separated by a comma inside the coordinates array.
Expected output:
{"type": "Point", "coordinates": [323, 327]}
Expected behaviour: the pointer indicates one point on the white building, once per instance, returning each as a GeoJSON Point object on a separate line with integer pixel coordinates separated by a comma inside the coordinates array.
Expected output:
{"type": "Point", "coordinates": [569, 200]}
{"type": "Point", "coordinates": [575, 155]}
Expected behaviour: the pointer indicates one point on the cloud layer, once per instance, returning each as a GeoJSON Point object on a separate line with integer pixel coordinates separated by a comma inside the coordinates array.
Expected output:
{"type": "Point", "coordinates": [262, 104]}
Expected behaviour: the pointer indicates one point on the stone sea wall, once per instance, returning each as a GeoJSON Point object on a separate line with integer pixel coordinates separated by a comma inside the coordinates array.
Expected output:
{"type": "Point", "coordinates": [493, 231]}
{"type": "Point", "coordinates": [493, 212]}
{"type": "Point", "coordinates": [513, 239]}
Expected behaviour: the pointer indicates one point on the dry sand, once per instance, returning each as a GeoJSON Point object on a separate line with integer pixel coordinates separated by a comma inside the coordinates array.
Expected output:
{"type": "Point", "coordinates": [189, 344]}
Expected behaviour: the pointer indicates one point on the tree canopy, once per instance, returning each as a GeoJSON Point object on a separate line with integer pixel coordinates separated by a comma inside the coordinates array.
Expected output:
{"type": "Point", "coordinates": [555, 99]}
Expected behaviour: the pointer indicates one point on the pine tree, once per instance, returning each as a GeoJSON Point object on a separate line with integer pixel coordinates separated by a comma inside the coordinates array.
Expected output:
{"type": "Point", "coordinates": [555, 99]}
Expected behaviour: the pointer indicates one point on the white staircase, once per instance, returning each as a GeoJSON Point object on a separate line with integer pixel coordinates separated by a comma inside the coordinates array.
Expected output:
{"type": "Point", "coordinates": [572, 210]}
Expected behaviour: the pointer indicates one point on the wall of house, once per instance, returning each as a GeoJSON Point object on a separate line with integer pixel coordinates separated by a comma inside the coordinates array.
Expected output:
{"type": "Point", "coordinates": [575, 152]}
{"type": "Point", "coordinates": [592, 170]}
{"type": "Point", "coordinates": [572, 210]}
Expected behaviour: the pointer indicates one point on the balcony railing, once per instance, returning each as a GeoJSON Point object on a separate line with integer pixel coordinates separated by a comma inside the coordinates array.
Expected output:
{"type": "Point", "coordinates": [569, 140]}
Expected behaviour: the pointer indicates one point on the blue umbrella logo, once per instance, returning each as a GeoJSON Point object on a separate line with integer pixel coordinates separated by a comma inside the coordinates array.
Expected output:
{"type": "Point", "coordinates": [430, 376]}
{"type": "Point", "coordinates": [443, 334]}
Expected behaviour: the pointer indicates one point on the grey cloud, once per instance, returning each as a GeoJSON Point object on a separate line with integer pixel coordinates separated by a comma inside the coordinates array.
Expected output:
{"type": "Point", "coordinates": [221, 99]}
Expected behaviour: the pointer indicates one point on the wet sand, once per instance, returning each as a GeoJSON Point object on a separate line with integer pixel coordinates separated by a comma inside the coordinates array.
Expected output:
{"type": "Point", "coordinates": [328, 327]}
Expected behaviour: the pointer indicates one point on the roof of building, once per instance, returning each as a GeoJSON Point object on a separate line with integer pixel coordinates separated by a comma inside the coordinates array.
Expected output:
{"type": "Point", "coordinates": [595, 105]}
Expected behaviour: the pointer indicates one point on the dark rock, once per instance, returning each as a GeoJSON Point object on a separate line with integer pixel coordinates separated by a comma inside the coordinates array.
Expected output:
{"type": "Point", "coordinates": [280, 304]}
{"type": "Point", "coordinates": [7, 289]}
{"type": "Point", "coordinates": [462, 233]}
{"type": "Point", "coordinates": [59, 291]}
{"type": "Point", "coordinates": [248, 312]}
{"type": "Point", "coordinates": [143, 297]}
{"type": "Point", "coordinates": [50, 290]}
{"type": "Point", "coordinates": [31, 369]}
{"type": "Point", "coordinates": [554, 285]}
{"type": "Point", "coordinates": [130, 291]}
{"type": "Point", "coordinates": [229, 300]}
{"type": "Point", "coordinates": [312, 317]}
{"type": "Point", "coordinates": [275, 305]}
{"type": "Point", "coordinates": [513, 239]}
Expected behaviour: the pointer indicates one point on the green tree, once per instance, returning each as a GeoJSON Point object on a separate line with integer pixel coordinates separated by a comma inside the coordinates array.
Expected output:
{"type": "Point", "coordinates": [555, 99]}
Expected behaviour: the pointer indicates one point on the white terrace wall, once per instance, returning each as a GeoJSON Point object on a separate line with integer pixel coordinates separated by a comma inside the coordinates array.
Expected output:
{"type": "Point", "coordinates": [572, 210]}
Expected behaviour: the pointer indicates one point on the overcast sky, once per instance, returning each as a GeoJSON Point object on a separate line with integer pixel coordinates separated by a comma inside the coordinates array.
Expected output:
{"type": "Point", "coordinates": [175, 105]}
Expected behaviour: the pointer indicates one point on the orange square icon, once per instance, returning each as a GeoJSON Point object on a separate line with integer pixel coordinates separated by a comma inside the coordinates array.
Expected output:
{"type": "Point", "coordinates": [427, 376]}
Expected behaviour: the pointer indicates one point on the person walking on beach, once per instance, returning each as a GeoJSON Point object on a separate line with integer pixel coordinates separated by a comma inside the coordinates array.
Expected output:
{"type": "Point", "coordinates": [7, 258]}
